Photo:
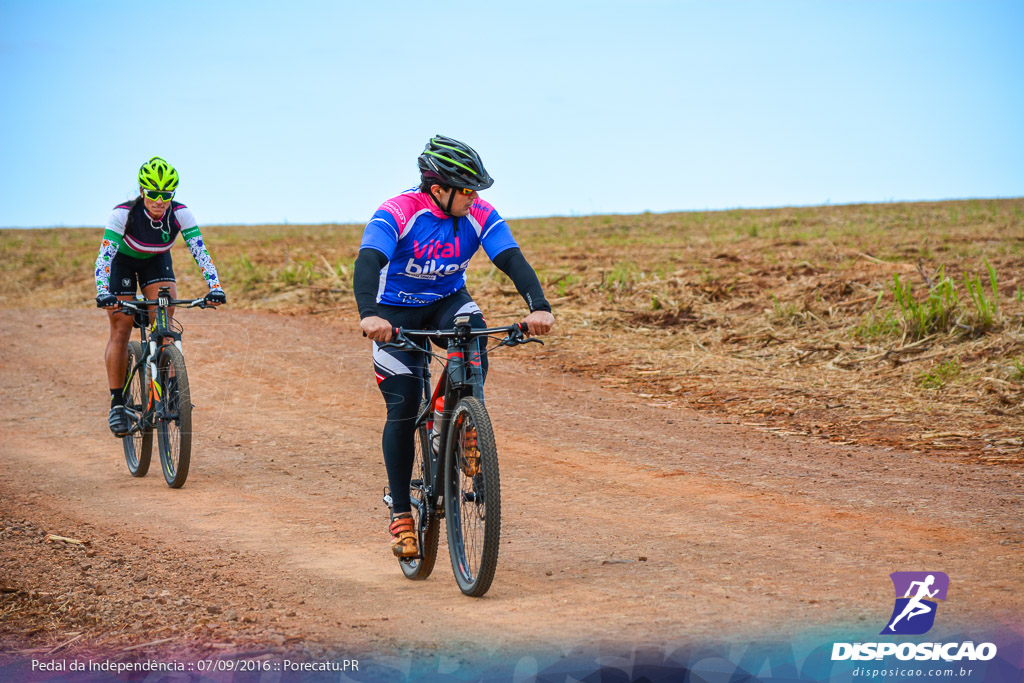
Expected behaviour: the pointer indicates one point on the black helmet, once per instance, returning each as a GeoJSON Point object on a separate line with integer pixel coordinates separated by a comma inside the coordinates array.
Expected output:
{"type": "Point", "coordinates": [453, 163]}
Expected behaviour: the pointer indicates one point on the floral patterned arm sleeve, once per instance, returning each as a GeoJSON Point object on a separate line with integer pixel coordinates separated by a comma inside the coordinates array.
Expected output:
{"type": "Point", "coordinates": [108, 249]}
{"type": "Point", "coordinates": [194, 239]}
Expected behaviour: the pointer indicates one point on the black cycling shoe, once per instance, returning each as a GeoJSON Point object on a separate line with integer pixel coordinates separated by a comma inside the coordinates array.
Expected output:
{"type": "Point", "coordinates": [119, 420]}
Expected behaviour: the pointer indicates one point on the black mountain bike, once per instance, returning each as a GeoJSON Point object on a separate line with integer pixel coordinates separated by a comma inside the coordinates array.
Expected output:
{"type": "Point", "coordinates": [455, 472]}
{"type": "Point", "coordinates": [156, 393]}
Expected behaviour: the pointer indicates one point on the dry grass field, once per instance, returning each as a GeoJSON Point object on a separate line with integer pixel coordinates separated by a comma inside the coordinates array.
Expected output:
{"type": "Point", "coordinates": [891, 324]}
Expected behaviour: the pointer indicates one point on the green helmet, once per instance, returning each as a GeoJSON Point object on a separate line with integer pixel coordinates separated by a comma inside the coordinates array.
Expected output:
{"type": "Point", "coordinates": [157, 174]}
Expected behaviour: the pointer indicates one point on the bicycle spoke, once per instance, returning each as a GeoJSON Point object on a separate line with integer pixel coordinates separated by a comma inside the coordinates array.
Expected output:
{"type": "Point", "coordinates": [138, 442]}
{"type": "Point", "coordinates": [174, 417]}
{"type": "Point", "coordinates": [473, 497]}
{"type": "Point", "coordinates": [472, 504]}
{"type": "Point", "coordinates": [426, 521]}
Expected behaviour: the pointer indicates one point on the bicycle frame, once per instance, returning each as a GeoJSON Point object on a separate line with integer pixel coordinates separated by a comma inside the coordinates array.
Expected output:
{"type": "Point", "coordinates": [152, 337]}
{"type": "Point", "coordinates": [461, 375]}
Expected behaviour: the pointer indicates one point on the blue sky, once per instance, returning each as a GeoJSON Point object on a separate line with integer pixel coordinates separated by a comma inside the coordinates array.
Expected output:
{"type": "Point", "coordinates": [311, 112]}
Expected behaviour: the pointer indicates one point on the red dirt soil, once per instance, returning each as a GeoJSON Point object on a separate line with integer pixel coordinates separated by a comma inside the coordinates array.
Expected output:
{"type": "Point", "coordinates": [622, 522]}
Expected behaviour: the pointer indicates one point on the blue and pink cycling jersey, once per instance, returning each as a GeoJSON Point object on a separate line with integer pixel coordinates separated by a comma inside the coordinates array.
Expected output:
{"type": "Point", "coordinates": [427, 251]}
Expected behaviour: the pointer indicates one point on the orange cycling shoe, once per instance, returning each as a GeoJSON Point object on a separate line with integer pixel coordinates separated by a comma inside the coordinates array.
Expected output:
{"type": "Point", "coordinates": [403, 536]}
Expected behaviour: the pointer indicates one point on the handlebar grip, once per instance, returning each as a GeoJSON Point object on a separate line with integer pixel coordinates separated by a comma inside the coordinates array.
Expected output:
{"type": "Point", "coordinates": [523, 327]}
{"type": "Point", "coordinates": [394, 332]}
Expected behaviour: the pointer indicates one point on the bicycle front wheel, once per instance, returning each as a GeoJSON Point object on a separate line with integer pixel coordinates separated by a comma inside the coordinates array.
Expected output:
{"type": "Point", "coordinates": [138, 444]}
{"type": "Point", "coordinates": [472, 497]}
{"type": "Point", "coordinates": [174, 418]}
{"type": "Point", "coordinates": [424, 512]}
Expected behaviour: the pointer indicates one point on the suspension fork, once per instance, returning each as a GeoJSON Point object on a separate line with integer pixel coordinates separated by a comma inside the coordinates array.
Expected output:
{"type": "Point", "coordinates": [153, 388]}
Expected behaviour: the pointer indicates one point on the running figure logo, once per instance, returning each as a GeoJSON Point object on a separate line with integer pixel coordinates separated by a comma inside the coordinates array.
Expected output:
{"type": "Point", "coordinates": [914, 612]}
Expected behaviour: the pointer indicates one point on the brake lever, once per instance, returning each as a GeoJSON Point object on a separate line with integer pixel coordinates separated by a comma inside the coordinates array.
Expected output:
{"type": "Point", "coordinates": [519, 339]}
{"type": "Point", "coordinates": [403, 345]}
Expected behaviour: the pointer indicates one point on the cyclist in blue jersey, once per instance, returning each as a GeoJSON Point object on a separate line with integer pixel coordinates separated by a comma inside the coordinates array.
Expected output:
{"type": "Point", "coordinates": [136, 252]}
{"type": "Point", "coordinates": [411, 272]}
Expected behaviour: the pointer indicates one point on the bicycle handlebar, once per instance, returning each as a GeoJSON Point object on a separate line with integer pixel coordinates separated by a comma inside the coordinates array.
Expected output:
{"type": "Point", "coordinates": [516, 330]}
{"type": "Point", "coordinates": [515, 335]}
{"type": "Point", "coordinates": [136, 305]}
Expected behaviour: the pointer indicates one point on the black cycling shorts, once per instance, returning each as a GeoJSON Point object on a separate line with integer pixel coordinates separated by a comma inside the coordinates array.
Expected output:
{"type": "Point", "coordinates": [438, 315]}
{"type": "Point", "coordinates": [128, 273]}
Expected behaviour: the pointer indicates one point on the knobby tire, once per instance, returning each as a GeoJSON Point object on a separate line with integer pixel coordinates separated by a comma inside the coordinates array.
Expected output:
{"type": "Point", "coordinates": [138, 446]}
{"type": "Point", "coordinates": [175, 434]}
{"type": "Point", "coordinates": [428, 527]}
{"type": "Point", "coordinates": [472, 497]}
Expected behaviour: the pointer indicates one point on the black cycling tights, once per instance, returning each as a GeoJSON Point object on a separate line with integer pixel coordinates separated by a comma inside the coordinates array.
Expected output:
{"type": "Point", "coordinates": [402, 395]}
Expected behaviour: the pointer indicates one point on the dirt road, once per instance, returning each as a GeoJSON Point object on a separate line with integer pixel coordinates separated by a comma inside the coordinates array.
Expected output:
{"type": "Point", "coordinates": [623, 522]}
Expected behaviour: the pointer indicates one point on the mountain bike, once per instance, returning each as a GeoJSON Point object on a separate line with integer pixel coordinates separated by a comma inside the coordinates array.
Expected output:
{"type": "Point", "coordinates": [156, 390]}
{"type": "Point", "coordinates": [455, 471]}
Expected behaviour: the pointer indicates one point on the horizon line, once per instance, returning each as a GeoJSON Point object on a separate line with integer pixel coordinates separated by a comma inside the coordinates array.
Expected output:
{"type": "Point", "coordinates": [825, 205]}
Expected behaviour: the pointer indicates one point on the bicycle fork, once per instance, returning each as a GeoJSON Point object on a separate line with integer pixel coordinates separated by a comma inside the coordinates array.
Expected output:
{"type": "Point", "coordinates": [153, 386]}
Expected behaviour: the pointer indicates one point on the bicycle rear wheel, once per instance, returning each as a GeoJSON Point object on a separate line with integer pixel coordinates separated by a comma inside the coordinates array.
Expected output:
{"type": "Point", "coordinates": [472, 497]}
{"type": "Point", "coordinates": [428, 526]}
{"type": "Point", "coordinates": [138, 445]}
{"type": "Point", "coordinates": [174, 419]}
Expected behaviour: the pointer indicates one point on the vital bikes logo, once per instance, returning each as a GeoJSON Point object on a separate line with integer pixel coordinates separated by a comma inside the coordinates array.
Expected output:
{"type": "Point", "coordinates": [435, 249]}
{"type": "Point", "coordinates": [434, 267]}
{"type": "Point", "coordinates": [914, 614]}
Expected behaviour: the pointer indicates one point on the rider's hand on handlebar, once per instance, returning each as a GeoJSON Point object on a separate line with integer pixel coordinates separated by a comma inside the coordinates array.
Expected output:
{"type": "Point", "coordinates": [106, 300]}
{"type": "Point", "coordinates": [540, 322]}
{"type": "Point", "coordinates": [376, 328]}
{"type": "Point", "coordinates": [216, 297]}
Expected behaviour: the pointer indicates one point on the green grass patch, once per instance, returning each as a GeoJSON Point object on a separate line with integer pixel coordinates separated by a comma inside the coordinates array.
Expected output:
{"type": "Point", "coordinates": [1017, 370]}
{"type": "Point", "coordinates": [786, 312]}
{"type": "Point", "coordinates": [877, 325]}
{"type": "Point", "coordinates": [934, 313]}
{"type": "Point", "coordinates": [985, 315]}
{"type": "Point", "coordinates": [940, 375]}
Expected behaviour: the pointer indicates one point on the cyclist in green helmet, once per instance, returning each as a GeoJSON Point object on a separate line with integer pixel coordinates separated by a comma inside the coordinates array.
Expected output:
{"type": "Point", "coordinates": [136, 252]}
